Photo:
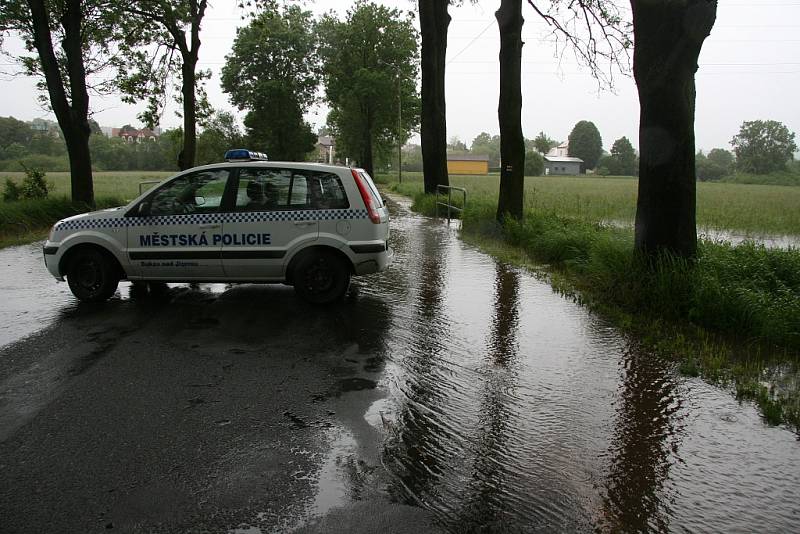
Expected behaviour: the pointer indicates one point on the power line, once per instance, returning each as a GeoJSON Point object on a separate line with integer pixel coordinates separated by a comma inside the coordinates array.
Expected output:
{"type": "Point", "coordinates": [471, 42]}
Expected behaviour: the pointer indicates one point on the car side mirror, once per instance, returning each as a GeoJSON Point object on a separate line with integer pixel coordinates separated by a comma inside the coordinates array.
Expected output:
{"type": "Point", "coordinates": [199, 201]}
{"type": "Point", "coordinates": [143, 210]}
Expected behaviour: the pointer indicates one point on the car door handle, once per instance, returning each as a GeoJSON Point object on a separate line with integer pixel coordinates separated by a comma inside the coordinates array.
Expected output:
{"type": "Point", "coordinates": [208, 226]}
{"type": "Point", "coordinates": [304, 223]}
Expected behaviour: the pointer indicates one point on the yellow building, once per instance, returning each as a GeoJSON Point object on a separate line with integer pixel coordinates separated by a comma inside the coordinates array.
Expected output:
{"type": "Point", "coordinates": [467, 164]}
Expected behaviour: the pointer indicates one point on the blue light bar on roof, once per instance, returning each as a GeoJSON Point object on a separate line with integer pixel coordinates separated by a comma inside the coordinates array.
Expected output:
{"type": "Point", "coordinates": [242, 154]}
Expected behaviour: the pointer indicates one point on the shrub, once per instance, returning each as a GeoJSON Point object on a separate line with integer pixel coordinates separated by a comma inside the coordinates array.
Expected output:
{"type": "Point", "coordinates": [11, 191]}
{"type": "Point", "coordinates": [34, 185]}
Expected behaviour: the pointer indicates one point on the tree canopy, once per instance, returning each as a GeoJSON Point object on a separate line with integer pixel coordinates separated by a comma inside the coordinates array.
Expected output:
{"type": "Point", "coordinates": [370, 71]}
{"type": "Point", "coordinates": [585, 143]}
{"type": "Point", "coordinates": [273, 72]}
{"type": "Point", "coordinates": [762, 147]}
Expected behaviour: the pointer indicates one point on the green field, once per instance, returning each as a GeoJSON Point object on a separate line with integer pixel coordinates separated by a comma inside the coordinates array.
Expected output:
{"type": "Point", "coordinates": [752, 209]}
{"type": "Point", "coordinates": [120, 184]}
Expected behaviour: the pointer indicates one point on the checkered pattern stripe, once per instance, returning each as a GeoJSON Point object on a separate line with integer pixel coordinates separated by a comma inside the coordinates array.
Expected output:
{"type": "Point", "coordinates": [212, 218]}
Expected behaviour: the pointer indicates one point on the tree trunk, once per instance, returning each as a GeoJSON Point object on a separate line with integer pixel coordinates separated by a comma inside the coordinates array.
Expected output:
{"type": "Point", "coordinates": [73, 119]}
{"type": "Point", "coordinates": [509, 110]}
{"type": "Point", "coordinates": [434, 21]}
{"type": "Point", "coordinates": [366, 155]}
{"type": "Point", "coordinates": [189, 82]}
{"type": "Point", "coordinates": [668, 37]}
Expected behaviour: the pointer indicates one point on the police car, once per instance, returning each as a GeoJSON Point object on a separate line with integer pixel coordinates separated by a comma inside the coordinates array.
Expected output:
{"type": "Point", "coordinates": [245, 220]}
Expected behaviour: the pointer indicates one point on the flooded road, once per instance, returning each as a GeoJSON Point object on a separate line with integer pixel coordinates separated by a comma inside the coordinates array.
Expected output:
{"type": "Point", "coordinates": [451, 383]}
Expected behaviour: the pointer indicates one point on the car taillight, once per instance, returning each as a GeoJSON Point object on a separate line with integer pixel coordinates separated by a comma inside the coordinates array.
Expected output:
{"type": "Point", "coordinates": [366, 196]}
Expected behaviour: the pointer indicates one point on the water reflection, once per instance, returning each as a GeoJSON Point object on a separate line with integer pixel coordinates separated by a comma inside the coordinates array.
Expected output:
{"type": "Point", "coordinates": [414, 450]}
{"type": "Point", "coordinates": [487, 501]}
{"type": "Point", "coordinates": [645, 443]}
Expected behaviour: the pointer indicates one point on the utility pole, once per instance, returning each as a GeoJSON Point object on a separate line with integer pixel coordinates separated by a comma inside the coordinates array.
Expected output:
{"type": "Point", "coordinates": [399, 131]}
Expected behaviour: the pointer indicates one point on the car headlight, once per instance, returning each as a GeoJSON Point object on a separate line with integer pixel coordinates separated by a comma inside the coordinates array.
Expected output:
{"type": "Point", "coordinates": [52, 231]}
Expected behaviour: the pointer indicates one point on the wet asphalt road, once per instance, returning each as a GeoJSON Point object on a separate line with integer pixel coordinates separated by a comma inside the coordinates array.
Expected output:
{"type": "Point", "coordinates": [450, 393]}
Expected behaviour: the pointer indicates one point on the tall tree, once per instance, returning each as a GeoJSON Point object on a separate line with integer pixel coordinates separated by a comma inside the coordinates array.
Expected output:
{"type": "Point", "coordinates": [273, 72]}
{"type": "Point", "coordinates": [434, 21]}
{"type": "Point", "coordinates": [763, 146]}
{"type": "Point", "coordinates": [668, 37]}
{"type": "Point", "coordinates": [585, 143]}
{"type": "Point", "coordinates": [72, 40]}
{"type": "Point", "coordinates": [178, 23]}
{"type": "Point", "coordinates": [370, 70]}
{"type": "Point", "coordinates": [509, 110]}
{"type": "Point", "coordinates": [625, 157]}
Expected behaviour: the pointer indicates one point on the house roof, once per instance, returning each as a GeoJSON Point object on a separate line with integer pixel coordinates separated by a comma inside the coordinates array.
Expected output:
{"type": "Point", "coordinates": [466, 157]}
{"type": "Point", "coordinates": [563, 159]}
{"type": "Point", "coordinates": [325, 140]}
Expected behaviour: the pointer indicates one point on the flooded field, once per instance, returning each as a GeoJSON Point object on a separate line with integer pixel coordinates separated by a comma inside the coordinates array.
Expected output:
{"type": "Point", "coordinates": [503, 407]}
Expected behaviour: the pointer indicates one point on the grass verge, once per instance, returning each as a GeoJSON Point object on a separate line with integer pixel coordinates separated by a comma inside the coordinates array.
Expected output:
{"type": "Point", "coordinates": [733, 316]}
{"type": "Point", "coordinates": [26, 221]}
{"type": "Point", "coordinates": [727, 207]}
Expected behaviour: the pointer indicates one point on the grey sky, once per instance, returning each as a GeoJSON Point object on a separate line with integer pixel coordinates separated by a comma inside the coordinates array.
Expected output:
{"type": "Point", "coordinates": [749, 69]}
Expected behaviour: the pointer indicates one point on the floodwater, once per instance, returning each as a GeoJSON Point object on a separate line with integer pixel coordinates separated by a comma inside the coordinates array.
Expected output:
{"type": "Point", "coordinates": [508, 408]}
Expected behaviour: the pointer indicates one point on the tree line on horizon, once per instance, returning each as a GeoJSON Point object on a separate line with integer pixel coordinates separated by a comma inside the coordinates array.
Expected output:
{"type": "Point", "coordinates": [367, 63]}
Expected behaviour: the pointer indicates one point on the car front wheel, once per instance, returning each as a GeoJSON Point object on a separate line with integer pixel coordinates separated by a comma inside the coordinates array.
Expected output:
{"type": "Point", "coordinates": [92, 276]}
{"type": "Point", "coordinates": [321, 278]}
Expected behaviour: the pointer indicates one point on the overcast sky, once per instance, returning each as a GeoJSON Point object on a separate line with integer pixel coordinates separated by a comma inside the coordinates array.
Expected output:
{"type": "Point", "coordinates": [749, 69]}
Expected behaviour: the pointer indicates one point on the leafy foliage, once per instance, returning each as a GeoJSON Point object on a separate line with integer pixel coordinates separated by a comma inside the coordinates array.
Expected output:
{"type": "Point", "coordinates": [221, 133]}
{"type": "Point", "coordinates": [534, 163]}
{"type": "Point", "coordinates": [273, 71]}
{"type": "Point", "coordinates": [34, 185]}
{"type": "Point", "coordinates": [542, 143]}
{"type": "Point", "coordinates": [485, 144]}
{"type": "Point", "coordinates": [708, 170]}
{"type": "Point", "coordinates": [370, 65]}
{"type": "Point", "coordinates": [11, 192]}
{"type": "Point", "coordinates": [585, 143]}
{"type": "Point", "coordinates": [763, 146]}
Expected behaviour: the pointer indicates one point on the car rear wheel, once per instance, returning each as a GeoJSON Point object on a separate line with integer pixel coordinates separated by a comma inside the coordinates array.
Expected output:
{"type": "Point", "coordinates": [321, 278]}
{"type": "Point", "coordinates": [92, 276]}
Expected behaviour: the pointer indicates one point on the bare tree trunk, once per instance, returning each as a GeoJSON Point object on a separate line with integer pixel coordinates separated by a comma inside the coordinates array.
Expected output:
{"type": "Point", "coordinates": [434, 21]}
{"type": "Point", "coordinates": [668, 37]}
{"type": "Point", "coordinates": [509, 110]}
{"type": "Point", "coordinates": [189, 82]}
{"type": "Point", "coordinates": [72, 118]}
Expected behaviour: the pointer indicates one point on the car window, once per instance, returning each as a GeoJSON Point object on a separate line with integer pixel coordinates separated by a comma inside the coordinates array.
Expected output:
{"type": "Point", "coordinates": [288, 189]}
{"type": "Point", "coordinates": [198, 192]}
{"type": "Point", "coordinates": [327, 192]}
{"type": "Point", "coordinates": [262, 189]}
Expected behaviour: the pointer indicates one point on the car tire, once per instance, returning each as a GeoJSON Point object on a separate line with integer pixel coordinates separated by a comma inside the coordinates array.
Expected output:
{"type": "Point", "coordinates": [321, 278]}
{"type": "Point", "coordinates": [92, 276]}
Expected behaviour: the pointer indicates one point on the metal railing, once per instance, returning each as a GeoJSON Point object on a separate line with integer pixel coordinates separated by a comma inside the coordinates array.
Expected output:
{"type": "Point", "coordinates": [149, 182]}
{"type": "Point", "coordinates": [449, 204]}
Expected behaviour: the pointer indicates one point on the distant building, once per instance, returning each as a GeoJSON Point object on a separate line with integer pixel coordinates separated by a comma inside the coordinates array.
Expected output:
{"type": "Point", "coordinates": [562, 165]}
{"type": "Point", "coordinates": [129, 134]}
{"type": "Point", "coordinates": [45, 126]}
{"type": "Point", "coordinates": [560, 151]}
{"type": "Point", "coordinates": [326, 148]}
{"type": "Point", "coordinates": [467, 164]}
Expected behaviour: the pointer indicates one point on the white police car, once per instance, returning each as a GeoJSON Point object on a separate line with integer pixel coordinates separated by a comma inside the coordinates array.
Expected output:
{"type": "Point", "coordinates": [247, 220]}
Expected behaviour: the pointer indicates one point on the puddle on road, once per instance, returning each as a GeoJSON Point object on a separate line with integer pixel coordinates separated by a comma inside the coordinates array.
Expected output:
{"type": "Point", "coordinates": [508, 407]}
{"type": "Point", "coordinates": [512, 409]}
{"type": "Point", "coordinates": [33, 299]}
